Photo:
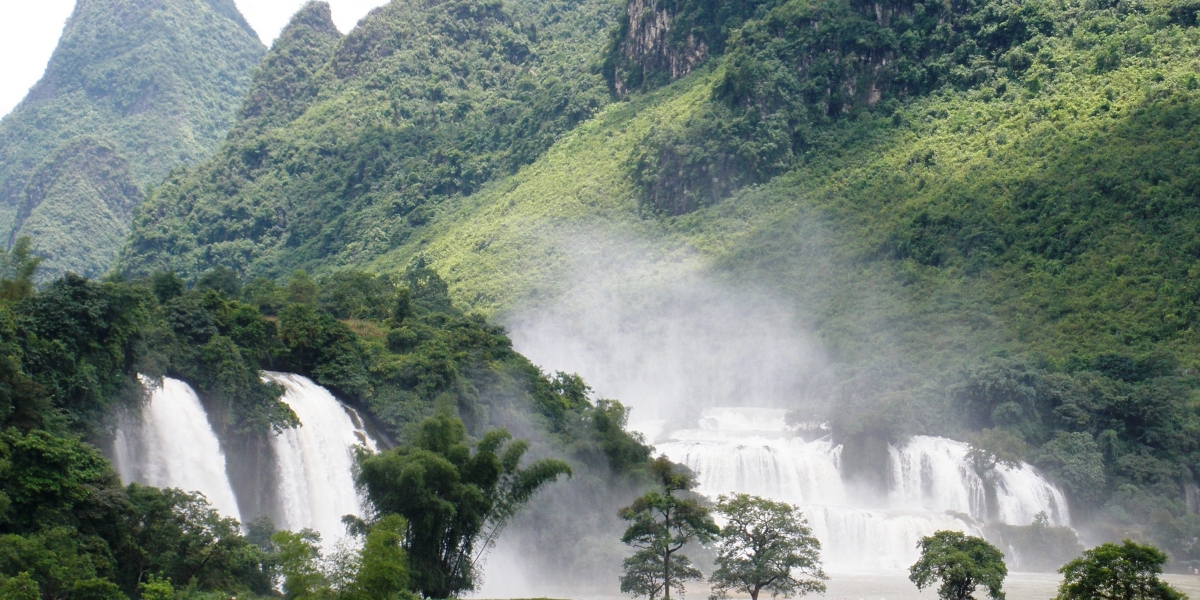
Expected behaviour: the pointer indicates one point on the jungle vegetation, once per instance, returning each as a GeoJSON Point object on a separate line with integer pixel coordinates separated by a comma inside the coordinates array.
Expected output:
{"type": "Point", "coordinates": [73, 351]}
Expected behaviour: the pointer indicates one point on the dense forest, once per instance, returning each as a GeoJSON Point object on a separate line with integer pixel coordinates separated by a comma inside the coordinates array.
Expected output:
{"type": "Point", "coordinates": [77, 350]}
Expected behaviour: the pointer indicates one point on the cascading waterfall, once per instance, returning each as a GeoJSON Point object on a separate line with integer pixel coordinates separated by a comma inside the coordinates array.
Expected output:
{"type": "Point", "coordinates": [315, 476]}
{"type": "Point", "coordinates": [173, 445]}
{"type": "Point", "coordinates": [932, 486]}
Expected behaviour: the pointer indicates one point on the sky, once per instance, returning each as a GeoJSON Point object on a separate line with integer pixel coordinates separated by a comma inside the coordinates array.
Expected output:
{"type": "Point", "coordinates": [29, 31]}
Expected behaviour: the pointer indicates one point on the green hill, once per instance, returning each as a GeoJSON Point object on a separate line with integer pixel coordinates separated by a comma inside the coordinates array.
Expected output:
{"type": "Point", "coordinates": [983, 211]}
{"type": "Point", "coordinates": [158, 83]}
{"type": "Point", "coordinates": [423, 101]}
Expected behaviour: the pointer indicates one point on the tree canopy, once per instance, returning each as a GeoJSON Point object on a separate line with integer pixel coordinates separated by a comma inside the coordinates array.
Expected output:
{"type": "Point", "coordinates": [765, 546]}
{"type": "Point", "coordinates": [961, 564]}
{"type": "Point", "coordinates": [661, 523]}
{"type": "Point", "coordinates": [454, 495]}
{"type": "Point", "coordinates": [1128, 571]}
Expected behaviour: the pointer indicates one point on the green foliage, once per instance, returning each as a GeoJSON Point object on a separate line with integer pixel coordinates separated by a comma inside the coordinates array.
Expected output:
{"type": "Point", "coordinates": [178, 537]}
{"type": "Point", "coordinates": [319, 344]}
{"type": "Point", "coordinates": [156, 588]}
{"type": "Point", "coordinates": [765, 546]}
{"type": "Point", "coordinates": [133, 90]}
{"type": "Point", "coordinates": [17, 268]}
{"type": "Point", "coordinates": [21, 587]}
{"type": "Point", "coordinates": [298, 565]}
{"type": "Point", "coordinates": [661, 523]}
{"type": "Point", "coordinates": [455, 498]}
{"type": "Point", "coordinates": [1128, 570]}
{"type": "Point", "coordinates": [383, 566]}
{"type": "Point", "coordinates": [79, 341]}
{"type": "Point", "coordinates": [1075, 462]}
{"type": "Point", "coordinates": [219, 345]}
{"type": "Point", "coordinates": [960, 563]}
{"type": "Point", "coordinates": [376, 571]}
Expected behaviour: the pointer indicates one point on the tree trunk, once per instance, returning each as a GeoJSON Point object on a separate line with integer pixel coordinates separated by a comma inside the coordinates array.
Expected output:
{"type": "Point", "coordinates": [667, 575]}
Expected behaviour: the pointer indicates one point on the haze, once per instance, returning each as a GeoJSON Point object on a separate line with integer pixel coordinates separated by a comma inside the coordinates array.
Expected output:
{"type": "Point", "coordinates": [30, 30]}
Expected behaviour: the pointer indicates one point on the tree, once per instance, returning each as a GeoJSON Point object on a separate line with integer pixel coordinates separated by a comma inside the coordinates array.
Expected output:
{"type": "Point", "coordinates": [17, 269]}
{"type": "Point", "coordinates": [661, 524]}
{"type": "Point", "coordinates": [962, 563]}
{"type": "Point", "coordinates": [382, 567]}
{"type": "Point", "coordinates": [766, 545]}
{"type": "Point", "coordinates": [1128, 571]}
{"type": "Point", "coordinates": [300, 564]}
{"type": "Point", "coordinates": [456, 499]}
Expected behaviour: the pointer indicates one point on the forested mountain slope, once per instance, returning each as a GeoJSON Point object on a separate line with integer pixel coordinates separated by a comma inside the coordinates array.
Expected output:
{"type": "Point", "coordinates": [154, 83]}
{"type": "Point", "coordinates": [985, 210]}
{"type": "Point", "coordinates": [423, 101]}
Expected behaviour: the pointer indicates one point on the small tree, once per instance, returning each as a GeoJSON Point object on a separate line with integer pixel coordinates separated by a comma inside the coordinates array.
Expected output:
{"type": "Point", "coordinates": [961, 563]}
{"type": "Point", "coordinates": [662, 523]}
{"type": "Point", "coordinates": [1129, 571]}
{"type": "Point", "coordinates": [766, 545]}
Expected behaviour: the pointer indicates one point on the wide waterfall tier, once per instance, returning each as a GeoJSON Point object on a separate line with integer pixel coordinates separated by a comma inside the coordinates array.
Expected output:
{"type": "Point", "coordinates": [315, 462]}
{"type": "Point", "coordinates": [931, 486]}
{"type": "Point", "coordinates": [173, 445]}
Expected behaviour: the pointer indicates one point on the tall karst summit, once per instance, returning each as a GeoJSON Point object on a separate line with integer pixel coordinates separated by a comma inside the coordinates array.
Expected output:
{"type": "Point", "coordinates": [134, 89]}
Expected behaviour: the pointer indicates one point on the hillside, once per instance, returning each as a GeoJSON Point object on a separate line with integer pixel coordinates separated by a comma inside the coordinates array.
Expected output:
{"type": "Point", "coordinates": [981, 213]}
{"type": "Point", "coordinates": [423, 101]}
{"type": "Point", "coordinates": [156, 83]}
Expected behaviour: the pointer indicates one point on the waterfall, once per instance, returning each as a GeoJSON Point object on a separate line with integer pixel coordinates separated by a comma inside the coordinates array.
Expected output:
{"type": "Point", "coordinates": [932, 486]}
{"type": "Point", "coordinates": [315, 461]}
{"type": "Point", "coordinates": [173, 445]}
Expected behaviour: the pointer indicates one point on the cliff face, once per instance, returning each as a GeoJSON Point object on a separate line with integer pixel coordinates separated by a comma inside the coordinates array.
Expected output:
{"type": "Point", "coordinates": [659, 41]}
{"type": "Point", "coordinates": [647, 49]}
{"type": "Point", "coordinates": [157, 82]}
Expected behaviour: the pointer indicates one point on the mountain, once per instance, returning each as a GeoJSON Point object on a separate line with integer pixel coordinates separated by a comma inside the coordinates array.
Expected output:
{"type": "Point", "coordinates": [155, 83]}
{"type": "Point", "coordinates": [424, 101]}
{"type": "Point", "coordinates": [981, 212]}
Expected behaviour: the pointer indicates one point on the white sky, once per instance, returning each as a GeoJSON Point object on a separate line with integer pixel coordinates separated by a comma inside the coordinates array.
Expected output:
{"type": "Point", "coordinates": [29, 31]}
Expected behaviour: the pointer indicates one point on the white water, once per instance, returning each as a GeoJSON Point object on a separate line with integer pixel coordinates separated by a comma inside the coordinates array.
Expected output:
{"type": "Point", "coordinates": [315, 476]}
{"type": "Point", "coordinates": [173, 446]}
{"type": "Point", "coordinates": [932, 486]}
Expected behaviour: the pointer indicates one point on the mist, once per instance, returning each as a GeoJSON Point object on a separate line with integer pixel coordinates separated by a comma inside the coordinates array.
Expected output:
{"type": "Point", "coordinates": [669, 336]}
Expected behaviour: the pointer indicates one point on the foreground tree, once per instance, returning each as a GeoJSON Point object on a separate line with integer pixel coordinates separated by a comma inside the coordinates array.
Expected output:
{"type": "Point", "coordinates": [1127, 572]}
{"type": "Point", "coordinates": [766, 545]}
{"type": "Point", "coordinates": [961, 563]}
{"type": "Point", "coordinates": [662, 522]}
{"type": "Point", "coordinates": [455, 499]}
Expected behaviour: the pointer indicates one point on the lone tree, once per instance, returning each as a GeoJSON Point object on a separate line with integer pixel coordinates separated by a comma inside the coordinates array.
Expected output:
{"type": "Point", "coordinates": [662, 523]}
{"type": "Point", "coordinates": [455, 498]}
{"type": "Point", "coordinates": [961, 563]}
{"type": "Point", "coordinates": [1129, 572]}
{"type": "Point", "coordinates": [766, 545]}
